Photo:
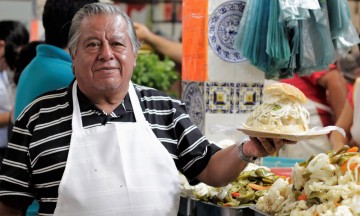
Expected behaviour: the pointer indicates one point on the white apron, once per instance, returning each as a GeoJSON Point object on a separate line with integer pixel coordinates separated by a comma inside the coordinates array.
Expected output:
{"type": "Point", "coordinates": [117, 169]}
{"type": "Point", "coordinates": [355, 129]}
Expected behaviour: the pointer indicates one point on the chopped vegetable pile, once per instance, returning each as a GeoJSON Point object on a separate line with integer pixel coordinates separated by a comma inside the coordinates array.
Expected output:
{"type": "Point", "coordinates": [324, 185]}
{"type": "Point", "coordinates": [245, 189]}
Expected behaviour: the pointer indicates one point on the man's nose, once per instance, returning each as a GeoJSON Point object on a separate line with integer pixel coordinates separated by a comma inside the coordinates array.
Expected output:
{"type": "Point", "coordinates": [106, 53]}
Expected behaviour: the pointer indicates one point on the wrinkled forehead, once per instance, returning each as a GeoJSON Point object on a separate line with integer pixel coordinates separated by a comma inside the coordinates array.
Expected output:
{"type": "Point", "coordinates": [108, 24]}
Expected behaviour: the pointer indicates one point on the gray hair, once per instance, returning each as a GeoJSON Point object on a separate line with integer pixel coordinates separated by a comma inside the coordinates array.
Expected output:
{"type": "Point", "coordinates": [95, 9]}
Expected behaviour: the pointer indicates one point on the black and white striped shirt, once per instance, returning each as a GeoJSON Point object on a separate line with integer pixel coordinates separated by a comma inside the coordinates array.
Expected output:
{"type": "Point", "coordinates": [39, 145]}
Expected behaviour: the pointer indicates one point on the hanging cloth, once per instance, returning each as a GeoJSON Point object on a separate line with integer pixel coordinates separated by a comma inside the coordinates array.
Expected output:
{"type": "Point", "coordinates": [342, 30]}
{"type": "Point", "coordinates": [277, 41]}
{"type": "Point", "coordinates": [317, 50]}
{"type": "Point", "coordinates": [251, 38]}
{"type": "Point", "coordinates": [284, 37]}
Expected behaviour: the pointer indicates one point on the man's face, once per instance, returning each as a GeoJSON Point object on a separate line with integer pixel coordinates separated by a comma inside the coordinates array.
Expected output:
{"type": "Point", "coordinates": [104, 59]}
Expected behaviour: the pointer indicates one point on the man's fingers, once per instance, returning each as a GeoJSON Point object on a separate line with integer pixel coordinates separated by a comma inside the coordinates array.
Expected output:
{"type": "Point", "coordinates": [268, 145]}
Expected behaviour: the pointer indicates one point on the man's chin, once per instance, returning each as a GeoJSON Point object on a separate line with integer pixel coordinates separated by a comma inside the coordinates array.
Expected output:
{"type": "Point", "coordinates": [109, 85]}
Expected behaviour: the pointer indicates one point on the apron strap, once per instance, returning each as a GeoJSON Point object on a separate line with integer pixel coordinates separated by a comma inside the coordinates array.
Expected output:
{"type": "Point", "coordinates": [77, 121]}
{"type": "Point", "coordinates": [136, 104]}
{"type": "Point", "coordinates": [76, 117]}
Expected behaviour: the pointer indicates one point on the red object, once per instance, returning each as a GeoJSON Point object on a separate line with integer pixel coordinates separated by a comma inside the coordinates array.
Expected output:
{"type": "Point", "coordinates": [282, 171]}
{"type": "Point", "coordinates": [302, 197]}
{"type": "Point", "coordinates": [350, 97]}
{"type": "Point", "coordinates": [235, 194]}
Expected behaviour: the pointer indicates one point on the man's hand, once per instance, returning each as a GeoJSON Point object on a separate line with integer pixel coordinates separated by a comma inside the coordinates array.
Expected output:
{"type": "Point", "coordinates": [261, 147]}
{"type": "Point", "coordinates": [225, 165]}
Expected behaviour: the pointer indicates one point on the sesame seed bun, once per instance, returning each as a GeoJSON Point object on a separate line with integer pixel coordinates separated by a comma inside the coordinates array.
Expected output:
{"type": "Point", "coordinates": [284, 90]}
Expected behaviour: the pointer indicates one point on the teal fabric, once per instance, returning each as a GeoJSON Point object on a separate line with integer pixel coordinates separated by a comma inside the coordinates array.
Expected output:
{"type": "Point", "coordinates": [33, 209]}
{"type": "Point", "coordinates": [251, 38]}
{"type": "Point", "coordinates": [49, 70]}
{"type": "Point", "coordinates": [282, 39]}
{"type": "Point", "coordinates": [343, 32]}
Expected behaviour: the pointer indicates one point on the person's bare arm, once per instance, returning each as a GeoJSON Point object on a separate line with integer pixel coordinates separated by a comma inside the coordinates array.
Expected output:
{"type": "Point", "coordinates": [335, 84]}
{"type": "Point", "coordinates": [225, 165]}
{"type": "Point", "coordinates": [7, 210]}
{"type": "Point", "coordinates": [345, 121]}
{"type": "Point", "coordinates": [167, 47]}
{"type": "Point", "coordinates": [4, 119]}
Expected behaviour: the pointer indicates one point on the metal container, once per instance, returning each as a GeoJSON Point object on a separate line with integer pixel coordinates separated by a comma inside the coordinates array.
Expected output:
{"type": "Point", "coordinates": [191, 207]}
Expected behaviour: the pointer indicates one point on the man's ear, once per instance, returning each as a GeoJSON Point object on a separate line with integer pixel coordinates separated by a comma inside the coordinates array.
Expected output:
{"type": "Point", "coordinates": [135, 57]}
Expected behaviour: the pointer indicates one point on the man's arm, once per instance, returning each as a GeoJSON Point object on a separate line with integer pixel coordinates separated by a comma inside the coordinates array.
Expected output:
{"type": "Point", "coordinates": [225, 165]}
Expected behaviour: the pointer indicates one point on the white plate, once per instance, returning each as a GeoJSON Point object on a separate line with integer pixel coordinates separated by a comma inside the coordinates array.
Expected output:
{"type": "Point", "coordinates": [288, 136]}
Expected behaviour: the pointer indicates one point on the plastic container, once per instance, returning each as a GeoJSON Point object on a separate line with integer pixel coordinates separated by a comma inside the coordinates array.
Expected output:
{"type": "Point", "coordinates": [271, 161]}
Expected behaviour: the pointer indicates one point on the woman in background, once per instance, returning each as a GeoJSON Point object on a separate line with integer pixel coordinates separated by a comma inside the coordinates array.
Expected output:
{"type": "Point", "coordinates": [349, 119]}
{"type": "Point", "coordinates": [13, 35]}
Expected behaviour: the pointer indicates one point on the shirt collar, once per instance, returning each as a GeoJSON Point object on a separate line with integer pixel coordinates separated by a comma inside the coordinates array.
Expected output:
{"type": "Point", "coordinates": [85, 104]}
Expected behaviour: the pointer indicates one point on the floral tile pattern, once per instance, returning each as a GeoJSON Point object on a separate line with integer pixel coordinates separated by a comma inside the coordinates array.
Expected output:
{"type": "Point", "coordinates": [229, 98]}
{"type": "Point", "coordinates": [250, 96]}
{"type": "Point", "coordinates": [219, 97]}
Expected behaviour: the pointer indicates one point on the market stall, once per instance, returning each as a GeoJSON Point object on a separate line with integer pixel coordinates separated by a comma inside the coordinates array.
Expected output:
{"type": "Point", "coordinates": [230, 48]}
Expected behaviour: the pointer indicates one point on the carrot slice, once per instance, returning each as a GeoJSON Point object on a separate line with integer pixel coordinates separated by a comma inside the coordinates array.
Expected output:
{"type": "Point", "coordinates": [353, 149]}
{"type": "Point", "coordinates": [235, 194]}
{"type": "Point", "coordinates": [302, 197]}
{"type": "Point", "coordinates": [343, 166]}
{"type": "Point", "coordinates": [258, 187]}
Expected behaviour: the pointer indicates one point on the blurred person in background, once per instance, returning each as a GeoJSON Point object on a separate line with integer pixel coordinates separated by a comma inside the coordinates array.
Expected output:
{"type": "Point", "coordinates": [51, 67]}
{"type": "Point", "coordinates": [26, 54]}
{"type": "Point", "coordinates": [349, 119]}
{"type": "Point", "coordinates": [13, 35]}
{"type": "Point", "coordinates": [163, 46]}
{"type": "Point", "coordinates": [170, 48]}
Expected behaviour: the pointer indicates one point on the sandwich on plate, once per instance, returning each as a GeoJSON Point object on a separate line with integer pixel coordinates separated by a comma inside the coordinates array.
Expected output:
{"type": "Point", "coordinates": [282, 110]}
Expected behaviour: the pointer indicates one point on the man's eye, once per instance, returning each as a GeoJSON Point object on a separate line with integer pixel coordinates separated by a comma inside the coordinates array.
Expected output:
{"type": "Point", "coordinates": [117, 44]}
{"type": "Point", "coordinates": [92, 44]}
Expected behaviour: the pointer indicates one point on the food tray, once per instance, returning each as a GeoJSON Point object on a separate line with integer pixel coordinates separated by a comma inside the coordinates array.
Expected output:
{"type": "Point", "coordinates": [191, 207]}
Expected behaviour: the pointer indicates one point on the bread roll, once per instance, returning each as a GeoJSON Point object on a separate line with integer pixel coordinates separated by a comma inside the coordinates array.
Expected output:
{"type": "Point", "coordinates": [284, 90]}
{"type": "Point", "coordinates": [281, 110]}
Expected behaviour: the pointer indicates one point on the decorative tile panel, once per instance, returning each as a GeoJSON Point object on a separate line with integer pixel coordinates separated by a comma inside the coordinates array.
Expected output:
{"type": "Point", "coordinates": [219, 97]}
{"type": "Point", "coordinates": [250, 96]}
{"type": "Point", "coordinates": [227, 97]}
{"type": "Point", "coordinates": [193, 97]}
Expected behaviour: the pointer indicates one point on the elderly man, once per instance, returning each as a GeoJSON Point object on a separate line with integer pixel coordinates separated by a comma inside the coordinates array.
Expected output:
{"type": "Point", "coordinates": [105, 146]}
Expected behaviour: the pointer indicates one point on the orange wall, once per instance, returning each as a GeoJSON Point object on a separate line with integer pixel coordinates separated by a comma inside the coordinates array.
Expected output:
{"type": "Point", "coordinates": [195, 42]}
